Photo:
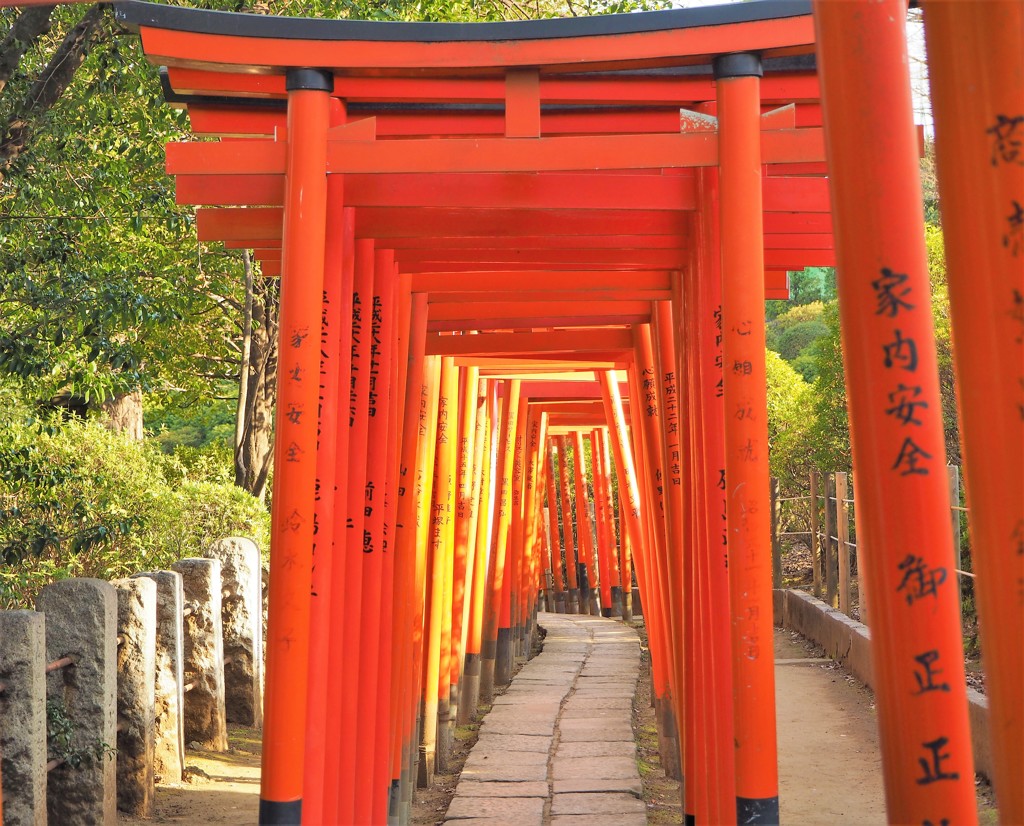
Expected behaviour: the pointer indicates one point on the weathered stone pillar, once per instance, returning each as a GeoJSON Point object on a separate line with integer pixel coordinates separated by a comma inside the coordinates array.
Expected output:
{"type": "Point", "coordinates": [242, 613]}
{"type": "Point", "coordinates": [81, 623]}
{"type": "Point", "coordinates": [168, 731]}
{"type": "Point", "coordinates": [204, 717]}
{"type": "Point", "coordinates": [23, 717]}
{"type": "Point", "coordinates": [136, 694]}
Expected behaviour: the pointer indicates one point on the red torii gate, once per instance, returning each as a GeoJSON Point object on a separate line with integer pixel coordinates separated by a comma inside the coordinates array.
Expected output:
{"type": "Point", "coordinates": [537, 184]}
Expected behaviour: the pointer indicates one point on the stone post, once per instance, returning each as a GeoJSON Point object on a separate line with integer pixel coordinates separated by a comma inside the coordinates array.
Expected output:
{"type": "Point", "coordinates": [81, 623]}
{"type": "Point", "coordinates": [136, 694]}
{"type": "Point", "coordinates": [23, 717]}
{"type": "Point", "coordinates": [204, 717]}
{"type": "Point", "coordinates": [168, 733]}
{"type": "Point", "coordinates": [242, 613]}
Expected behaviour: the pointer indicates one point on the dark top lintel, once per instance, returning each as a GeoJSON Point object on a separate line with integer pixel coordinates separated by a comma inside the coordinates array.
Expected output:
{"type": "Point", "coordinates": [136, 13]}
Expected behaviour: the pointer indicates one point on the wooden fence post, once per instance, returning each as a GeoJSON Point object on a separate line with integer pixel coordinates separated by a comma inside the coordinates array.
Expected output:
{"type": "Point", "coordinates": [843, 541]}
{"type": "Point", "coordinates": [831, 568]}
{"type": "Point", "coordinates": [776, 541]}
{"type": "Point", "coordinates": [860, 556]}
{"type": "Point", "coordinates": [815, 539]}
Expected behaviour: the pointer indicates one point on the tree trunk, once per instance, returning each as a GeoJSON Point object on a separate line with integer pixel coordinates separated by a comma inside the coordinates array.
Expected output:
{"type": "Point", "coordinates": [123, 414]}
{"type": "Point", "coordinates": [50, 84]}
{"type": "Point", "coordinates": [254, 449]}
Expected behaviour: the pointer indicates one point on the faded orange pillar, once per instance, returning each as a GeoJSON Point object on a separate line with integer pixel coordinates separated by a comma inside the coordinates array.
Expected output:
{"type": "Point", "coordinates": [291, 551]}
{"type": "Point", "coordinates": [508, 613]}
{"type": "Point", "coordinates": [977, 79]}
{"type": "Point", "coordinates": [584, 537]}
{"type": "Point", "coordinates": [737, 81]}
{"type": "Point", "coordinates": [895, 412]}
{"type": "Point", "coordinates": [571, 571]}
{"type": "Point", "coordinates": [469, 692]}
{"type": "Point", "coordinates": [606, 520]}
{"type": "Point", "coordinates": [488, 415]}
{"type": "Point", "coordinates": [439, 579]}
{"type": "Point", "coordinates": [556, 550]}
{"type": "Point", "coordinates": [413, 462]}
{"type": "Point", "coordinates": [465, 517]}
{"type": "Point", "coordinates": [499, 544]}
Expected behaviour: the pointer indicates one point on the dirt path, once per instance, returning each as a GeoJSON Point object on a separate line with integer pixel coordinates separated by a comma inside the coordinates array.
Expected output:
{"type": "Point", "coordinates": [830, 767]}
{"type": "Point", "coordinates": [220, 788]}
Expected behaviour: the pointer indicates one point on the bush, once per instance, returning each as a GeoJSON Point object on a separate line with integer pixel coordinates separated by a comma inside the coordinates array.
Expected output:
{"type": "Point", "coordinates": [79, 500]}
{"type": "Point", "coordinates": [795, 341]}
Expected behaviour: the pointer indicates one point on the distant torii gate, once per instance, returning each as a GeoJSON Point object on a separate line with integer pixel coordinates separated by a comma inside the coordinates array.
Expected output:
{"type": "Point", "coordinates": [473, 221]}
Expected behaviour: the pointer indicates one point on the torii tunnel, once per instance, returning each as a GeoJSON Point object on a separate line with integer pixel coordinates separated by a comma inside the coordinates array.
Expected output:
{"type": "Point", "coordinates": [501, 243]}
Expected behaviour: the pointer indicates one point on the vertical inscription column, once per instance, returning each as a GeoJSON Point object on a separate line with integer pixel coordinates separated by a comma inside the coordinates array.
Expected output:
{"type": "Point", "coordinates": [978, 93]}
{"type": "Point", "coordinates": [895, 412]}
{"type": "Point", "coordinates": [737, 79]}
{"type": "Point", "coordinates": [298, 383]}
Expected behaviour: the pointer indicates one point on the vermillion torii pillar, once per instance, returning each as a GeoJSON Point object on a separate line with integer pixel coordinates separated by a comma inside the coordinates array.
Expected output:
{"type": "Point", "coordinates": [295, 446]}
{"type": "Point", "coordinates": [737, 79]}
{"type": "Point", "coordinates": [895, 412]}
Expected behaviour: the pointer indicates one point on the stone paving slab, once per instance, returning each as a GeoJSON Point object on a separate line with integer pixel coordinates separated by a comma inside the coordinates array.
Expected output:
{"type": "Point", "coordinates": [603, 803]}
{"type": "Point", "coordinates": [558, 746]}
{"type": "Point", "coordinates": [575, 768]}
{"type": "Point", "coordinates": [633, 787]}
{"type": "Point", "coordinates": [583, 748]}
{"type": "Point", "coordinates": [477, 788]}
{"type": "Point", "coordinates": [517, 742]}
{"type": "Point", "coordinates": [491, 757]}
{"type": "Point", "coordinates": [523, 810]}
{"type": "Point", "coordinates": [595, 820]}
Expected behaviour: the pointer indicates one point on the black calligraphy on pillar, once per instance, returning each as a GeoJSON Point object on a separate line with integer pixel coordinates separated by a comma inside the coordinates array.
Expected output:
{"type": "Point", "coordinates": [919, 581]}
{"type": "Point", "coordinates": [905, 402]}
{"type": "Point", "coordinates": [943, 822]}
{"type": "Point", "coordinates": [747, 452]}
{"type": "Point", "coordinates": [927, 673]}
{"type": "Point", "coordinates": [909, 462]}
{"type": "Point", "coordinates": [293, 453]}
{"type": "Point", "coordinates": [294, 413]}
{"type": "Point", "coordinates": [931, 766]}
{"type": "Point", "coordinates": [902, 352]}
{"type": "Point", "coordinates": [357, 333]}
{"type": "Point", "coordinates": [1013, 239]}
{"type": "Point", "coordinates": [295, 521]}
{"type": "Point", "coordinates": [295, 373]}
{"type": "Point", "coordinates": [1007, 140]}
{"type": "Point", "coordinates": [891, 293]}
{"type": "Point", "coordinates": [297, 336]}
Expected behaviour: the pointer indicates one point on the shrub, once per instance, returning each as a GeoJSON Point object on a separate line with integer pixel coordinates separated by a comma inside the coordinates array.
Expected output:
{"type": "Point", "coordinates": [79, 500]}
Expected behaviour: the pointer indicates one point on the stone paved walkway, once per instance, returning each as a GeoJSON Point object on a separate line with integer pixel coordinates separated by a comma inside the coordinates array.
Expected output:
{"type": "Point", "coordinates": [558, 746]}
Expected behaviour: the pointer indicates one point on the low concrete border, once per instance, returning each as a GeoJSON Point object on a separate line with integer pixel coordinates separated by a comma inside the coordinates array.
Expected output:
{"type": "Point", "coordinates": [849, 642]}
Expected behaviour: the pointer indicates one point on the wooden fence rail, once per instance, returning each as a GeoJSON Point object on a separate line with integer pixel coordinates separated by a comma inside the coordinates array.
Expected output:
{"type": "Point", "coordinates": [832, 534]}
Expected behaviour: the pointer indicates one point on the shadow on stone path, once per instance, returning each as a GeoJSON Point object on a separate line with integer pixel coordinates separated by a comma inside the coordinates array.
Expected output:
{"type": "Point", "coordinates": [558, 745]}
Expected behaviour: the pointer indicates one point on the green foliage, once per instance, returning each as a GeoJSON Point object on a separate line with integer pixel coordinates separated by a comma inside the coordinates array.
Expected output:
{"type": "Point", "coordinates": [797, 338]}
{"type": "Point", "coordinates": [789, 417]}
{"type": "Point", "coordinates": [813, 284]}
{"type": "Point", "coordinates": [79, 500]}
{"type": "Point", "coordinates": [60, 740]}
{"type": "Point", "coordinates": [198, 425]}
{"type": "Point", "coordinates": [829, 432]}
